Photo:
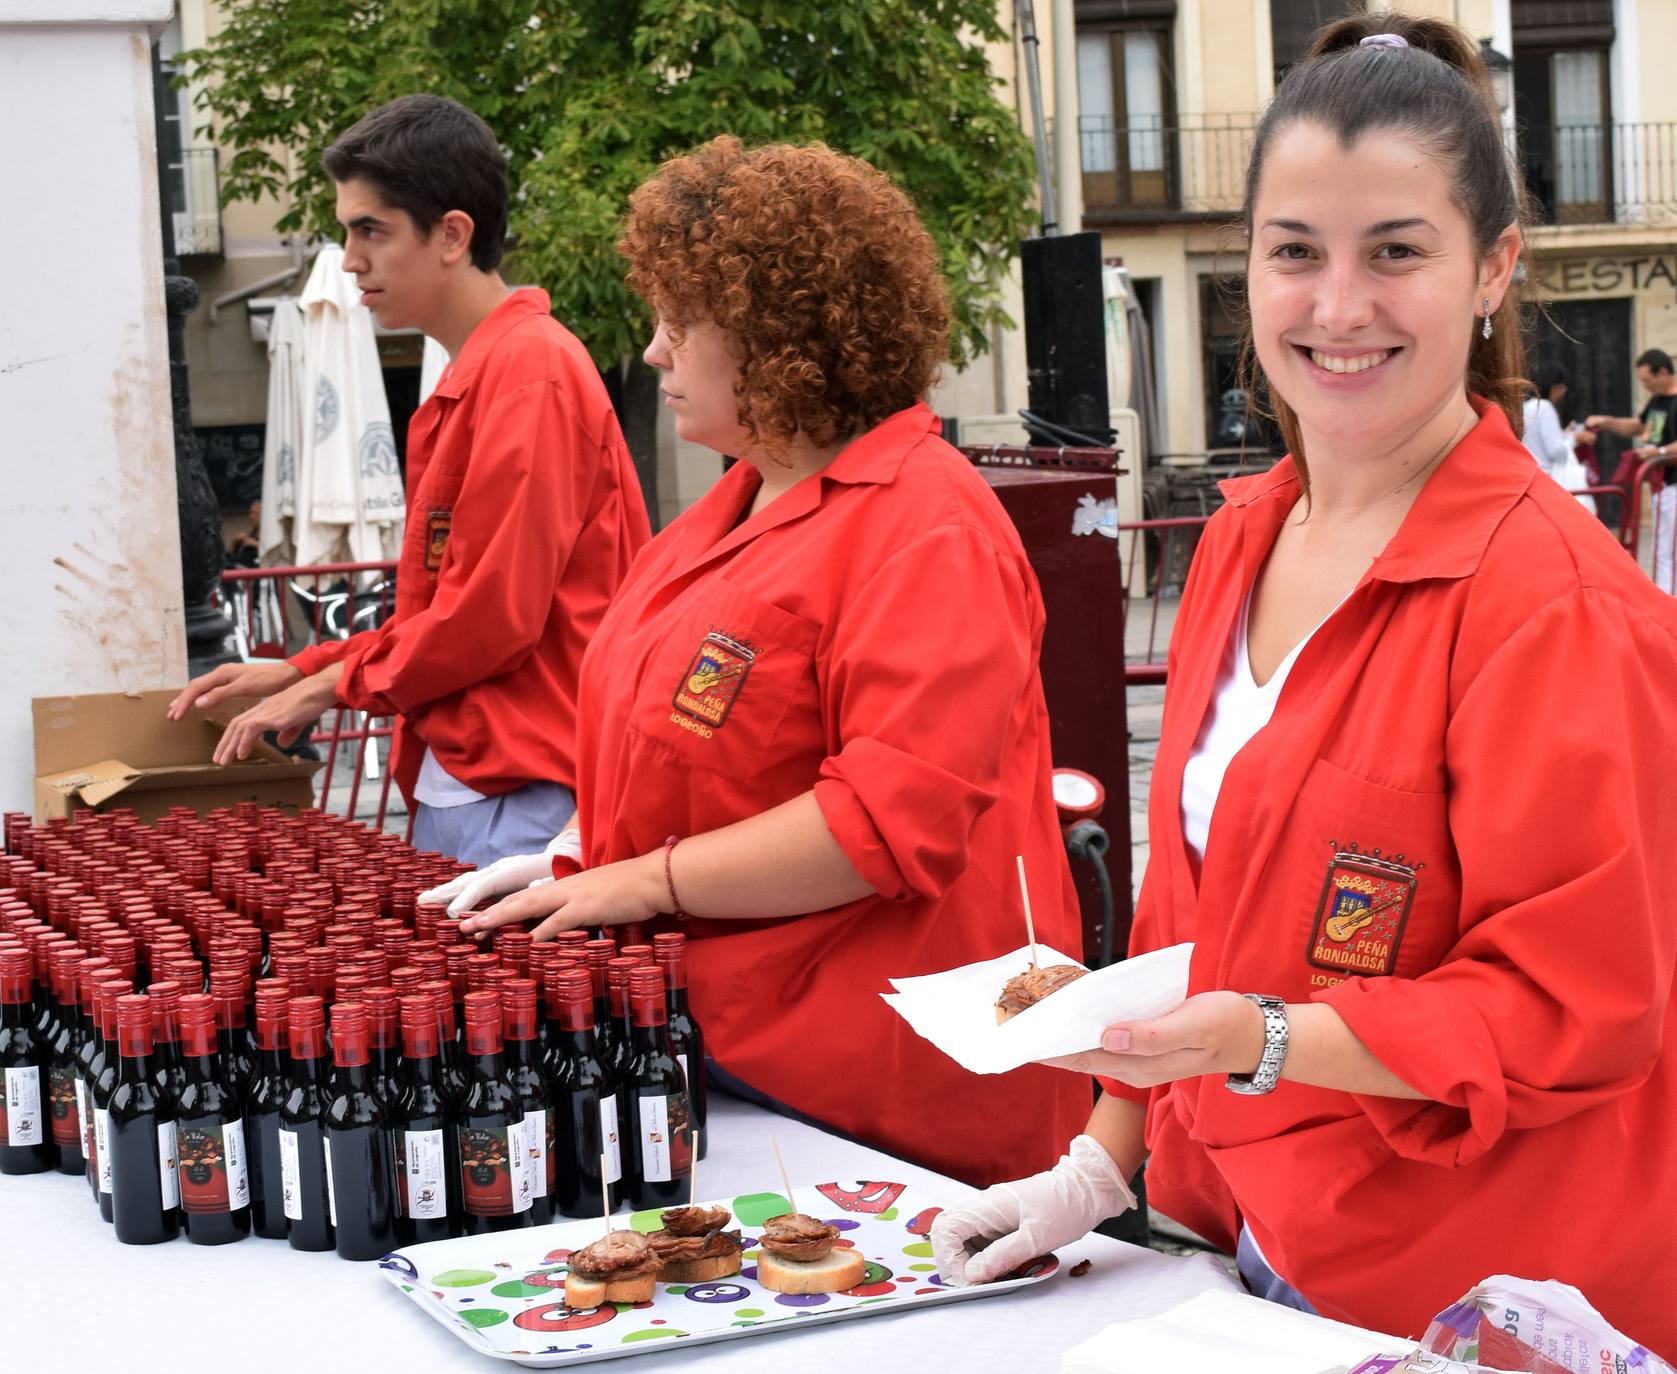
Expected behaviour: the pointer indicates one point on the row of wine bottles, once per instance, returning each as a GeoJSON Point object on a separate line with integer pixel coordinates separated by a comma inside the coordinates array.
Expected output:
{"type": "Point", "coordinates": [183, 1123]}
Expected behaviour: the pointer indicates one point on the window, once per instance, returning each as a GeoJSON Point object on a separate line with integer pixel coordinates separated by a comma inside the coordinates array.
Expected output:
{"type": "Point", "coordinates": [1293, 23]}
{"type": "Point", "coordinates": [1126, 109]}
{"type": "Point", "coordinates": [1563, 106]}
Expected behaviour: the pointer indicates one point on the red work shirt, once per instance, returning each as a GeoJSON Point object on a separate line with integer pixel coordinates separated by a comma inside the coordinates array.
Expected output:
{"type": "Point", "coordinates": [871, 634]}
{"type": "Point", "coordinates": [1459, 830]}
{"type": "Point", "coordinates": [524, 513]}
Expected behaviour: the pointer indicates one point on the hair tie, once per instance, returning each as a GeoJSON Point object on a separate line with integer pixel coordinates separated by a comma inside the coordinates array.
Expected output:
{"type": "Point", "coordinates": [1383, 40]}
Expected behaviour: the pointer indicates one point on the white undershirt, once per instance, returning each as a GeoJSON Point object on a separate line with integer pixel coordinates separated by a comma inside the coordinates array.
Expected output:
{"type": "Point", "coordinates": [1239, 709]}
{"type": "Point", "coordinates": [436, 786]}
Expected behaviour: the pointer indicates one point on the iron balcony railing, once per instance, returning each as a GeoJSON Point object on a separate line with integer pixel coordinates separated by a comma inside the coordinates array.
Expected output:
{"type": "Point", "coordinates": [1192, 165]}
{"type": "Point", "coordinates": [194, 182]}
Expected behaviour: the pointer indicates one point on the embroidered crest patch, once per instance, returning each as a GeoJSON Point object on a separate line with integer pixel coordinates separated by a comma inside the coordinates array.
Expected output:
{"type": "Point", "coordinates": [713, 679]}
{"type": "Point", "coordinates": [436, 537]}
{"type": "Point", "coordinates": [1361, 914]}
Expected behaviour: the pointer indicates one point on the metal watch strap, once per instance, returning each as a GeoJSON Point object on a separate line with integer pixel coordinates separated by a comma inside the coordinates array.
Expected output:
{"type": "Point", "coordinates": [1268, 1073]}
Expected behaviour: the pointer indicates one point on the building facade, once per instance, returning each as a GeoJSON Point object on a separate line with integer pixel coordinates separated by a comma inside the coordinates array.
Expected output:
{"type": "Point", "coordinates": [1165, 95]}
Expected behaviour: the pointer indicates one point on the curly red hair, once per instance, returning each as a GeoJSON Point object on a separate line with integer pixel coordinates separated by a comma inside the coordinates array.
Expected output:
{"type": "Point", "coordinates": [815, 265]}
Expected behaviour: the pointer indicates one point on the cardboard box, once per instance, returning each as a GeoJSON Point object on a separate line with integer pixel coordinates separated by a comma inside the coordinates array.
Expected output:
{"type": "Point", "coordinates": [118, 749]}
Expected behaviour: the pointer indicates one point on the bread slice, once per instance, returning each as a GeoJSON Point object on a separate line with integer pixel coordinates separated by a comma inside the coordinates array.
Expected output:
{"type": "Point", "coordinates": [701, 1270]}
{"type": "Point", "coordinates": [842, 1268]}
{"type": "Point", "coordinates": [583, 1293]}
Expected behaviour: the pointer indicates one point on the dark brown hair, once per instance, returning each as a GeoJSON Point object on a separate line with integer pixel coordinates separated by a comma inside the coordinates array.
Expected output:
{"type": "Point", "coordinates": [427, 155]}
{"type": "Point", "coordinates": [813, 263]}
{"type": "Point", "coordinates": [1438, 93]}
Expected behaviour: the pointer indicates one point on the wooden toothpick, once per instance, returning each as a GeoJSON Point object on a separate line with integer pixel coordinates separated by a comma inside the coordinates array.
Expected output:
{"type": "Point", "coordinates": [605, 1192]}
{"type": "Point", "coordinates": [785, 1181]}
{"type": "Point", "coordinates": [1025, 892]}
{"type": "Point", "coordinates": [693, 1176]}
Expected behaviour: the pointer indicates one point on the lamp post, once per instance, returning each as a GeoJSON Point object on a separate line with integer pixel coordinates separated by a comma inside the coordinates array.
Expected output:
{"type": "Point", "coordinates": [1501, 69]}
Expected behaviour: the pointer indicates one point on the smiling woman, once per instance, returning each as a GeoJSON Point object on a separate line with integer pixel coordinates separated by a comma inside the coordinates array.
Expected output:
{"type": "Point", "coordinates": [1377, 808]}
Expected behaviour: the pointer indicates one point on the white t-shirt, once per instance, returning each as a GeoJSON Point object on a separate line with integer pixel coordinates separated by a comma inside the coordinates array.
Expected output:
{"type": "Point", "coordinates": [436, 786]}
{"type": "Point", "coordinates": [1239, 709]}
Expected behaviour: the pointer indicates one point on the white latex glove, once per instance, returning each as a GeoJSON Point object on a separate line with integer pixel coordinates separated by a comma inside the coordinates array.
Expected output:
{"type": "Point", "coordinates": [1016, 1222]}
{"type": "Point", "coordinates": [511, 874]}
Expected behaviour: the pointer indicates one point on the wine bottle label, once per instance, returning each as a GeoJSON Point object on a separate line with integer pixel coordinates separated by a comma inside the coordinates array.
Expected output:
{"type": "Point", "coordinates": [20, 1113]}
{"type": "Point", "coordinates": [655, 1139]}
{"type": "Point", "coordinates": [213, 1172]}
{"type": "Point", "coordinates": [61, 1096]}
{"type": "Point", "coordinates": [291, 1175]}
{"type": "Point", "coordinates": [102, 1146]}
{"type": "Point", "coordinates": [518, 1156]}
{"type": "Point", "coordinates": [238, 1164]}
{"type": "Point", "coordinates": [424, 1171]}
{"type": "Point", "coordinates": [550, 1174]}
{"type": "Point", "coordinates": [84, 1121]}
{"type": "Point", "coordinates": [538, 1150]}
{"type": "Point", "coordinates": [331, 1187]}
{"type": "Point", "coordinates": [168, 1166]}
{"type": "Point", "coordinates": [492, 1170]}
{"type": "Point", "coordinates": [608, 1138]}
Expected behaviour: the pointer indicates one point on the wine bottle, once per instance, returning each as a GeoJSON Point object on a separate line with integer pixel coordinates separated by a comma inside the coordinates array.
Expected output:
{"type": "Point", "coordinates": [686, 1038]}
{"type": "Point", "coordinates": [210, 1134]}
{"type": "Point", "coordinates": [622, 1021]}
{"type": "Point", "coordinates": [495, 1189]}
{"type": "Point", "coordinates": [145, 1193]}
{"type": "Point", "coordinates": [530, 1083]}
{"type": "Point", "coordinates": [360, 1171]}
{"type": "Point", "coordinates": [26, 1144]}
{"type": "Point", "coordinates": [236, 1050]}
{"type": "Point", "coordinates": [302, 1146]}
{"type": "Point", "coordinates": [384, 1041]}
{"type": "Point", "coordinates": [585, 1103]}
{"type": "Point", "coordinates": [448, 1040]}
{"type": "Point", "coordinates": [166, 1071]}
{"type": "Point", "coordinates": [612, 1051]}
{"type": "Point", "coordinates": [65, 1041]}
{"type": "Point", "coordinates": [262, 1122]}
{"type": "Point", "coordinates": [428, 1164]}
{"type": "Point", "coordinates": [655, 1099]}
{"type": "Point", "coordinates": [104, 1084]}
{"type": "Point", "coordinates": [92, 1040]}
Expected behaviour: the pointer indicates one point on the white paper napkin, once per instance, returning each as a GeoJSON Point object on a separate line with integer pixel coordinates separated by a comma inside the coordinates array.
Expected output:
{"type": "Point", "coordinates": [1228, 1331]}
{"type": "Point", "coordinates": [956, 1010]}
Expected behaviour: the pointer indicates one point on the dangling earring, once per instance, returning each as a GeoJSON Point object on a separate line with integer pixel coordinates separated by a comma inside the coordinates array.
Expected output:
{"type": "Point", "coordinates": [1486, 331]}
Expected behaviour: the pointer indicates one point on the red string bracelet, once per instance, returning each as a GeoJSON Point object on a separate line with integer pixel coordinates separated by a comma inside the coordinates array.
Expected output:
{"type": "Point", "coordinates": [669, 879]}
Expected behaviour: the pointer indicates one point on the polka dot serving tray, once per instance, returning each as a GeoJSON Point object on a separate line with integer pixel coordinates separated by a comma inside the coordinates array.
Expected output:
{"type": "Point", "coordinates": [504, 1294]}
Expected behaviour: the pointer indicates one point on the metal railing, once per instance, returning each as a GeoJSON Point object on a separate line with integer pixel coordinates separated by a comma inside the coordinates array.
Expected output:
{"type": "Point", "coordinates": [1601, 173]}
{"type": "Point", "coordinates": [277, 612]}
{"type": "Point", "coordinates": [1180, 164]}
{"type": "Point", "coordinates": [1196, 165]}
{"type": "Point", "coordinates": [195, 201]}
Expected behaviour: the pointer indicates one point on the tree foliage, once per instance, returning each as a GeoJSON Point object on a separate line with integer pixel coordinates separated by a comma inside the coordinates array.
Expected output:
{"type": "Point", "coordinates": [589, 96]}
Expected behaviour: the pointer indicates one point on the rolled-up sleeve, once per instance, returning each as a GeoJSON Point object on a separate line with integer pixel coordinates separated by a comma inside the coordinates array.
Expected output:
{"type": "Point", "coordinates": [1564, 817]}
{"type": "Point", "coordinates": [929, 666]}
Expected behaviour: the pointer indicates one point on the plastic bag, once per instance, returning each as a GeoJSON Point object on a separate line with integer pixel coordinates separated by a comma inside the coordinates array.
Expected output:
{"type": "Point", "coordinates": [1536, 1325]}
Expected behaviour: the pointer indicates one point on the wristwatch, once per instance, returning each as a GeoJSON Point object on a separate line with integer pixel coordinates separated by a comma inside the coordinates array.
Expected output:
{"type": "Point", "coordinates": [1268, 1073]}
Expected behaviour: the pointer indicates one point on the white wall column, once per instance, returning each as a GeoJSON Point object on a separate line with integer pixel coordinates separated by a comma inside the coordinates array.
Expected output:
{"type": "Point", "coordinates": [90, 599]}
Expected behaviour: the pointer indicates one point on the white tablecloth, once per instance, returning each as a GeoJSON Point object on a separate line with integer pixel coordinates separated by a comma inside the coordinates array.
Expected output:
{"type": "Point", "coordinates": [71, 1296]}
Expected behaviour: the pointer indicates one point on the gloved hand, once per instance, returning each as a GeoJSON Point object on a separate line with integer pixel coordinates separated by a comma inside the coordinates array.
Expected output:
{"type": "Point", "coordinates": [511, 874]}
{"type": "Point", "coordinates": [1029, 1217]}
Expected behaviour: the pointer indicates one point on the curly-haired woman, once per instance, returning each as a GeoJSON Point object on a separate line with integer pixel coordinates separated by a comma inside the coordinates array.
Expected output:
{"type": "Point", "coordinates": [822, 678]}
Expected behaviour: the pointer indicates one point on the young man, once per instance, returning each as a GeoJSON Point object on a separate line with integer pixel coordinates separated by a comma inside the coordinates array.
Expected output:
{"type": "Point", "coordinates": [524, 511]}
{"type": "Point", "coordinates": [1656, 428]}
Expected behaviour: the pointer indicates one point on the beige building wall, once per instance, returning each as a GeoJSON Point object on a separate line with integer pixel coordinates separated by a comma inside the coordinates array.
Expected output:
{"type": "Point", "coordinates": [229, 369]}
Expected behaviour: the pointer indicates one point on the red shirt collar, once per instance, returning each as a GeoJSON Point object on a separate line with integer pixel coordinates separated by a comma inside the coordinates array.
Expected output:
{"type": "Point", "coordinates": [875, 456]}
{"type": "Point", "coordinates": [1449, 527]}
{"type": "Point", "coordinates": [458, 377]}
